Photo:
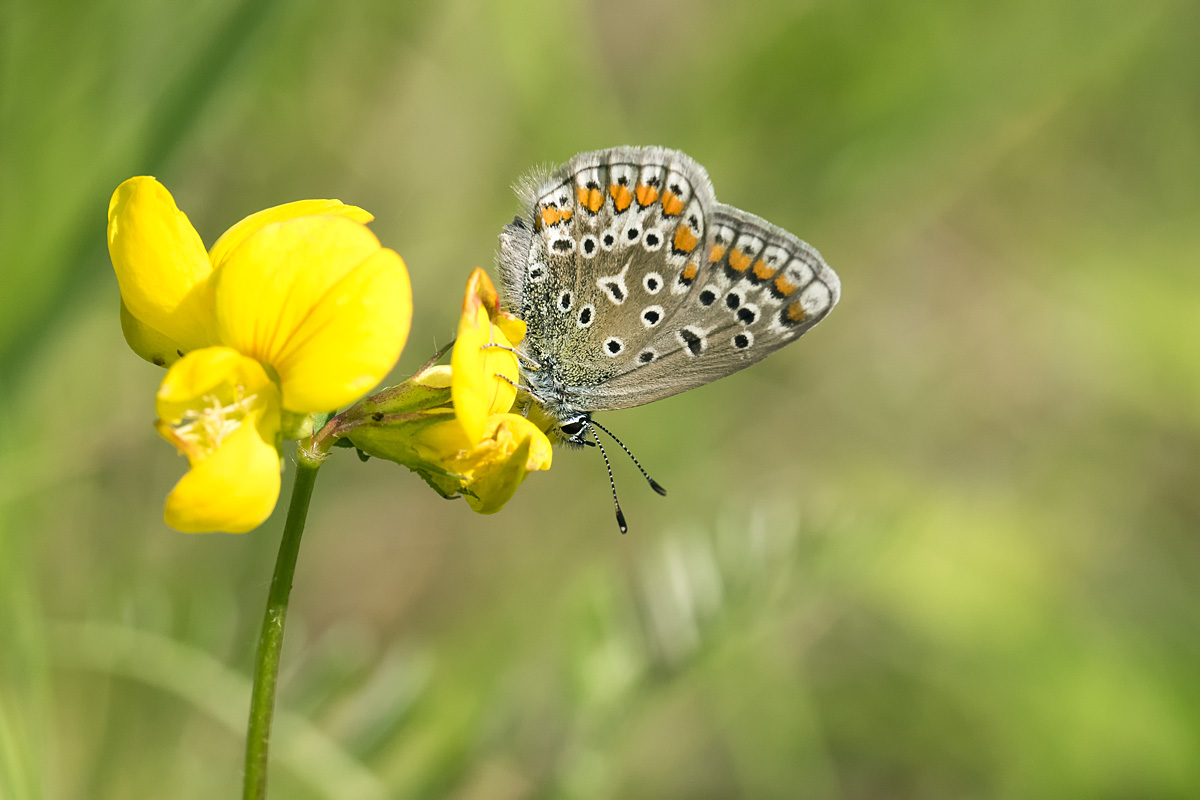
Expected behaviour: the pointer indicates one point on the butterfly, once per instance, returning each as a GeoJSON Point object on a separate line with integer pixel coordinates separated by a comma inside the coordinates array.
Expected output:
{"type": "Point", "coordinates": [636, 284]}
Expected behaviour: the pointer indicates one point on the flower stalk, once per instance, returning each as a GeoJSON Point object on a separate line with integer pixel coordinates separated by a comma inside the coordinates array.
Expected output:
{"type": "Point", "coordinates": [270, 639]}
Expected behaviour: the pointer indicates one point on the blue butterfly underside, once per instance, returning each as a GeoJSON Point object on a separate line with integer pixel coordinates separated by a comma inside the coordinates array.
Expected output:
{"type": "Point", "coordinates": [636, 284]}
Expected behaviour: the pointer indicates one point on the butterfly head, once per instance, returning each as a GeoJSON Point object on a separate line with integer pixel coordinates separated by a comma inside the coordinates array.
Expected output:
{"type": "Point", "coordinates": [573, 430]}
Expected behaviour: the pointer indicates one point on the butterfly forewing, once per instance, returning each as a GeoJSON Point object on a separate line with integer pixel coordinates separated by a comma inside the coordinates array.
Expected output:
{"type": "Point", "coordinates": [637, 284]}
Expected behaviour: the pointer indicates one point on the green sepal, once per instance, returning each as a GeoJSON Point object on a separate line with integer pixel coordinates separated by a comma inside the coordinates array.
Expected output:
{"type": "Point", "coordinates": [394, 440]}
{"type": "Point", "coordinates": [404, 398]}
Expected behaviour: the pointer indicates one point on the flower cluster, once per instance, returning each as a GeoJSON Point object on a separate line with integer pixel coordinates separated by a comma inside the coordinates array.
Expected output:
{"type": "Point", "coordinates": [296, 310]}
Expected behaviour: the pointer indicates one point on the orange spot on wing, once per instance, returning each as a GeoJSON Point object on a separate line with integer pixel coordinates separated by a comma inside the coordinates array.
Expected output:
{"type": "Point", "coordinates": [591, 199]}
{"type": "Point", "coordinates": [716, 253]}
{"type": "Point", "coordinates": [595, 200]}
{"type": "Point", "coordinates": [762, 271]}
{"type": "Point", "coordinates": [783, 286]}
{"type": "Point", "coordinates": [795, 312]}
{"type": "Point", "coordinates": [565, 214]}
{"type": "Point", "coordinates": [689, 272]}
{"type": "Point", "coordinates": [646, 194]}
{"type": "Point", "coordinates": [621, 196]}
{"type": "Point", "coordinates": [550, 216]}
{"type": "Point", "coordinates": [685, 240]}
{"type": "Point", "coordinates": [671, 203]}
{"type": "Point", "coordinates": [738, 261]}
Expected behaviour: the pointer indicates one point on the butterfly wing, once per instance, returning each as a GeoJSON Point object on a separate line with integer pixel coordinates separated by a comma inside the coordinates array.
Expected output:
{"type": "Point", "coordinates": [757, 288]}
{"type": "Point", "coordinates": [588, 270]}
{"type": "Point", "coordinates": [636, 284]}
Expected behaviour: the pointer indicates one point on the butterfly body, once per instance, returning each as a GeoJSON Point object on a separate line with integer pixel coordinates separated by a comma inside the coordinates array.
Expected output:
{"type": "Point", "coordinates": [636, 284]}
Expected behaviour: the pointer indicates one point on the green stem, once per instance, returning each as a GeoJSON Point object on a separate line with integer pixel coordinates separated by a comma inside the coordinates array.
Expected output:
{"type": "Point", "coordinates": [270, 640]}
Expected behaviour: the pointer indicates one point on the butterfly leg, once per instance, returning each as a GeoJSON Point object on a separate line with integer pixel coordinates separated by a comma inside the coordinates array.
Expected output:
{"type": "Point", "coordinates": [521, 388]}
{"type": "Point", "coordinates": [533, 364]}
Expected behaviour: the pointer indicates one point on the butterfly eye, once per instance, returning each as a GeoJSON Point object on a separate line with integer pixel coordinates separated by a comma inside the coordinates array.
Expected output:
{"type": "Point", "coordinates": [572, 428]}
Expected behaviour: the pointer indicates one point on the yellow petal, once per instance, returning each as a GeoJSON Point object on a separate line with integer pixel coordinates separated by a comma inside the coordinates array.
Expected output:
{"type": "Point", "coordinates": [352, 338]}
{"type": "Point", "coordinates": [214, 371]}
{"type": "Point", "coordinates": [147, 342]}
{"type": "Point", "coordinates": [436, 377]}
{"type": "Point", "coordinates": [160, 262]}
{"type": "Point", "coordinates": [496, 486]}
{"type": "Point", "coordinates": [541, 452]}
{"type": "Point", "coordinates": [222, 411]}
{"type": "Point", "coordinates": [320, 301]}
{"type": "Point", "coordinates": [479, 357]}
{"type": "Point", "coordinates": [513, 328]}
{"type": "Point", "coordinates": [484, 291]}
{"type": "Point", "coordinates": [301, 208]}
{"type": "Point", "coordinates": [234, 490]}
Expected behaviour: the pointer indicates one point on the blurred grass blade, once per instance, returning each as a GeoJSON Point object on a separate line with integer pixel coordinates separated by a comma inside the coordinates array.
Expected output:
{"type": "Point", "coordinates": [218, 691]}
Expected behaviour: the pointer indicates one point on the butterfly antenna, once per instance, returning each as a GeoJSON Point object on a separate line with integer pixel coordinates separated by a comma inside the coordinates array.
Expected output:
{"type": "Point", "coordinates": [653, 483]}
{"type": "Point", "coordinates": [611, 482]}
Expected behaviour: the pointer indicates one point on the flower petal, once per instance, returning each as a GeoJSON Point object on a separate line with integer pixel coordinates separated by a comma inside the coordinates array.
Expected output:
{"type": "Point", "coordinates": [148, 343]}
{"type": "Point", "coordinates": [160, 262]}
{"type": "Point", "coordinates": [513, 328]}
{"type": "Point", "coordinates": [493, 486]}
{"type": "Point", "coordinates": [301, 208]}
{"type": "Point", "coordinates": [492, 469]}
{"type": "Point", "coordinates": [438, 376]}
{"type": "Point", "coordinates": [320, 301]}
{"type": "Point", "coordinates": [352, 338]}
{"type": "Point", "coordinates": [212, 371]}
{"type": "Point", "coordinates": [479, 357]}
{"type": "Point", "coordinates": [222, 410]}
{"type": "Point", "coordinates": [234, 490]}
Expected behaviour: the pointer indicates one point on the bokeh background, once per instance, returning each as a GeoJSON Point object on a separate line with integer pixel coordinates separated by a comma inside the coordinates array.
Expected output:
{"type": "Point", "coordinates": [946, 547]}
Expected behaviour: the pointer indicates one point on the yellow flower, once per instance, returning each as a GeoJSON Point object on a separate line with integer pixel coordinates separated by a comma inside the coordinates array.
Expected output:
{"type": "Point", "coordinates": [471, 447]}
{"type": "Point", "coordinates": [485, 371]}
{"type": "Point", "coordinates": [222, 411]}
{"type": "Point", "coordinates": [304, 292]}
{"type": "Point", "coordinates": [423, 434]}
{"type": "Point", "coordinates": [162, 268]}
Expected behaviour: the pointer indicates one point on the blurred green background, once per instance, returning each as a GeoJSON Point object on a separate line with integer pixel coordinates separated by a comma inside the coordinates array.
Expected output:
{"type": "Point", "coordinates": [944, 548]}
